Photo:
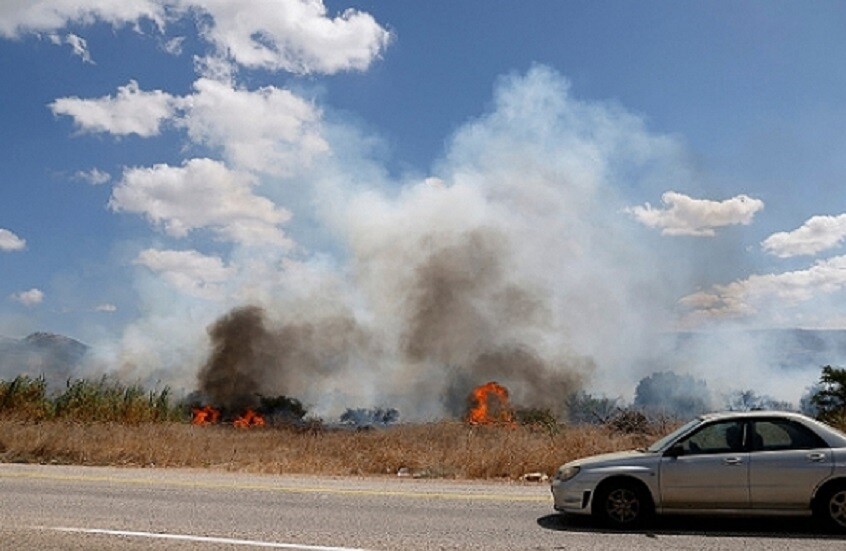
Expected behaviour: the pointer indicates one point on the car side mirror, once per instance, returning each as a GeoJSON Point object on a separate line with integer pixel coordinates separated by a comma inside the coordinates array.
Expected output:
{"type": "Point", "coordinates": [674, 451]}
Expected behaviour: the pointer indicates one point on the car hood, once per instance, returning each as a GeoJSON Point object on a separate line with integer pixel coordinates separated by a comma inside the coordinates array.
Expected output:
{"type": "Point", "coordinates": [631, 457]}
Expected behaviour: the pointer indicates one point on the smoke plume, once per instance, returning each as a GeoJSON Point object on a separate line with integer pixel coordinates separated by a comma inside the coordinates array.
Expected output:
{"type": "Point", "coordinates": [514, 264]}
{"type": "Point", "coordinates": [513, 260]}
{"type": "Point", "coordinates": [250, 359]}
{"type": "Point", "coordinates": [461, 323]}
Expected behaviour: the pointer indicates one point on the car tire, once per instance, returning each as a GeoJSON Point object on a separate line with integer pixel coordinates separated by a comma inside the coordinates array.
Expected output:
{"type": "Point", "coordinates": [831, 507]}
{"type": "Point", "coordinates": [622, 504]}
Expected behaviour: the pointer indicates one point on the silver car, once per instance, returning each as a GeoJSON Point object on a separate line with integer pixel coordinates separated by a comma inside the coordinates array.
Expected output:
{"type": "Point", "coordinates": [760, 463]}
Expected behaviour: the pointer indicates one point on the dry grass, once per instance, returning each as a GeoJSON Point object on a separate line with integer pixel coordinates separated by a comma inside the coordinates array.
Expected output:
{"type": "Point", "coordinates": [106, 422]}
{"type": "Point", "coordinates": [443, 449]}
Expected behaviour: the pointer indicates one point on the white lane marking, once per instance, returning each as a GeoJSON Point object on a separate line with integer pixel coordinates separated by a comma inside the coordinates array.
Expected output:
{"type": "Point", "coordinates": [201, 539]}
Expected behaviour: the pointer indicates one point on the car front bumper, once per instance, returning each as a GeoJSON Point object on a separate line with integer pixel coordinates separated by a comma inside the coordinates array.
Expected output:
{"type": "Point", "coordinates": [571, 497]}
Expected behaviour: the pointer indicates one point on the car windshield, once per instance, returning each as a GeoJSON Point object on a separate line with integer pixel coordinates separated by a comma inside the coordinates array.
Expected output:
{"type": "Point", "coordinates": [663, 442]}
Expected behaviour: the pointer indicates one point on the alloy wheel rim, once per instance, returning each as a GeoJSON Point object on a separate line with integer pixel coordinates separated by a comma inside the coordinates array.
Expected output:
{"type": "Point", "coordinates": [837, 507]}
{"type": "Point", "coordinates": [623, 505]}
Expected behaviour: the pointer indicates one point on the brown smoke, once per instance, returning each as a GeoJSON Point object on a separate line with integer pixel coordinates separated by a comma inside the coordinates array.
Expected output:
{"type": "Point", "coordinates": [231, 378]}
{"type": "Point", "coordinates": [249, 359]}
{"type": "Point", "coordinates": [465, 312]}
{"type": "Point", "coordinates": [463, 318]}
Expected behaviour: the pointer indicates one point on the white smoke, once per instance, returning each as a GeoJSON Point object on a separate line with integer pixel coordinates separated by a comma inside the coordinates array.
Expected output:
{"type": "Point", "coordinates": [514, 259]}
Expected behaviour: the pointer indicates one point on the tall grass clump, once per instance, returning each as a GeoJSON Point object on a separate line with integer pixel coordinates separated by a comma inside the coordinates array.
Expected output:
{"type": "Point", "coordinates": [25, 398]}
{"type": "Point", "coordinates": [82, 400]}
{"type": "Point", "coordinates": [108, 400]}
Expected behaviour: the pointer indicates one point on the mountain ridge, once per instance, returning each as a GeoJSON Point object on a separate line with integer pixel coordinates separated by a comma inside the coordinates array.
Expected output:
{"type": "Point", "coordinates": [55, 357]}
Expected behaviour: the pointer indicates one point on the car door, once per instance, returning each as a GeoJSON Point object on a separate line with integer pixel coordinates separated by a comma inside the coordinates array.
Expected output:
{"type": "Point", "coordinates": [787, 462]}
{"type": "Point", "coordinates": [708, 469]}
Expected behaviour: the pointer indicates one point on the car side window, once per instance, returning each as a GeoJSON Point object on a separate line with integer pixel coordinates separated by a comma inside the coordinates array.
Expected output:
{"type": "Point", "coordinates": [724, 437]}
{"type": "Point", "coordinates": [781, 434]}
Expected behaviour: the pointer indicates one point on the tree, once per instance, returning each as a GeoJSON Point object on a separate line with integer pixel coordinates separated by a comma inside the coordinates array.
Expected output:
{"type": "Point", "coordinates": [585, 408]}
{"type": "Point", "coordinates": [830, 399]}
{"type": "Point", "coordinates": [749, 400]}
{"type": "Point", "coordinates": [672, 394]}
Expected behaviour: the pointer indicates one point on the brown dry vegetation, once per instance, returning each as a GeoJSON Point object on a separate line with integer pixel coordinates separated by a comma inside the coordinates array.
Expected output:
{"type": "Point", "coordinates": [442, 449]}
{"type": "Point", "coordinates": [108, 423]}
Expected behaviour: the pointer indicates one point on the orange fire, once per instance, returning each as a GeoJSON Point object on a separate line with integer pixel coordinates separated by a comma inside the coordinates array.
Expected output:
{"type": "Point", "coordinates": [249, 420]}
{"type": "Point", "coordinates": [489, 405]}
{"type": "Point", "coordinates": [205, 415]}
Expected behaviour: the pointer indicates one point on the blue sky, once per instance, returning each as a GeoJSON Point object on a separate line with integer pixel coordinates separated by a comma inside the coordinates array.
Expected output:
{"type": "Point", "coordinates": [652, 166]}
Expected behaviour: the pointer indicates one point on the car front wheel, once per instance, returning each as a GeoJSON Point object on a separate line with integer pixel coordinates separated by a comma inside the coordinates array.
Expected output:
{"type": "Point", "coordinates": [622, 504]}
{"type": "Point", "coordinates": [832, 508]}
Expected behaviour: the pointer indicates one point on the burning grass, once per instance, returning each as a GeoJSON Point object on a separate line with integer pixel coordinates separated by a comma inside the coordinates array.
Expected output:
{"type": "Point", "coordinates": [107, 423]}
{"type": "Point", "coordinates": [444, 449]}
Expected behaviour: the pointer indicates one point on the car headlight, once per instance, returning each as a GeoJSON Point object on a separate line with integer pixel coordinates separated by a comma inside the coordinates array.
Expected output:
{"type": "Point", "coordinates": [567, 472]}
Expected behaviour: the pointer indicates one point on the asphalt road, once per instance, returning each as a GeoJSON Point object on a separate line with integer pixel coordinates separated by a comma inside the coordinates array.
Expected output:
{"type": "Point", "coordinates": [85, 508]}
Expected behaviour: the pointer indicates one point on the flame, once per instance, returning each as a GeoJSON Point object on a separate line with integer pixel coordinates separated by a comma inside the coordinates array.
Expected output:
{"type": "Point", "coordinates": [205, 415]}
{"type": "Point", "coordinates": [248, 420]}
{"type": "Point", "coordinates": [489, 405]}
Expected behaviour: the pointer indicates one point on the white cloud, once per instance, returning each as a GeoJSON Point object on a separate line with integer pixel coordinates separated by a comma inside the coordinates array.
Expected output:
{"type": "Point", "coordinates": [292, 35]}
{"type": "Point", "coordinates": [818, 234]}
{"type": "Point", "coordinates": [684, 215]}
{"type": "Point", "coordinates": [10, 242]}
{"type": "Point", "coordinates": [29, 298]}
{"type": "Point", "coordinates": [95, 176]}
{"type": "Point", "coordinates": [78, 44]}
{"type": "Point", "coordinates": [131, 111]}
{"type": "Point", "coordinates": [80, 47]}
{"type": "Point", "coordinates": [748, 296]}
{"type": "Point", "coordinates": [215, 67]}
{"type": "Point", "coordinates": [269, 130]}
{"type": "Point", "coordinates": [202, 193]}
{"type": "Point", "coordinates": [106, 307]}
{"type": "Point", "coordinates": [21, 16]}
{"type": "Point", "coordinates": [174, 45]}
{"type": "Point", "coordinates": [189, 272]}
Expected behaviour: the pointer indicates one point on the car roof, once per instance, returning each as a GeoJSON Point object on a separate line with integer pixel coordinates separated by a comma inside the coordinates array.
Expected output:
{"type": "Point", "coordinates": [754, 413]}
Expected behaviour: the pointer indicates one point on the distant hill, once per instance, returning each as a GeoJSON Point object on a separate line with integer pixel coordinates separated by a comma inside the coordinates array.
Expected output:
{"type": "Point", "coordinates": [783, 348]}
{"type": "Point", "coordinates": [54, 356]}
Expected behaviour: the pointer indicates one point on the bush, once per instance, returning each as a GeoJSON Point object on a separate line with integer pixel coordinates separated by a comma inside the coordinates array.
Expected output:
{"type": "Point", "coordinates": [829, 400]}
{"type": "Point", "coordinates": [282, 410]}
{"type": "Point", "coordinates": [538, 418]}
{"type": "Point", "coordinates": [629, 421]}
{"type": "Point", "coordinates": [363, 417]}
{"type": "Point", "coordinates": [584, 408]}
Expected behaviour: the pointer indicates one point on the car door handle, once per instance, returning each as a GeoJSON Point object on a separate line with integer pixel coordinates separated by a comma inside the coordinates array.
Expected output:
{"type": "Point", "coordinates": [816, 457]}
{"type": "Point", "coordinates": [733, 460]}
